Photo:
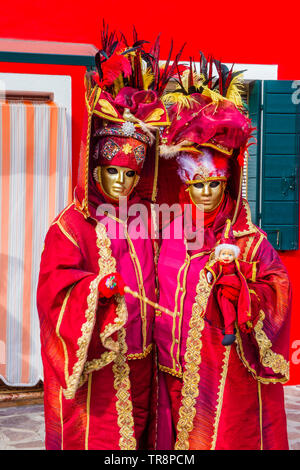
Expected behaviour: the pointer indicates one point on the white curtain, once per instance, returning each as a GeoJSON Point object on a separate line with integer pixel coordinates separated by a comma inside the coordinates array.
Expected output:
{"type": "Point", "coordinates": [35, 185]}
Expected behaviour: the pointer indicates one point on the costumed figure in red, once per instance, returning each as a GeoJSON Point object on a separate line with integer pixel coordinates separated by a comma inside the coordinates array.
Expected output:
{"type": "Point", "coordinates": [213, 396]}
{"type": "Point", "coordinates": [230, 299]}
{"type": "Point", "coordinates": [96, 339]}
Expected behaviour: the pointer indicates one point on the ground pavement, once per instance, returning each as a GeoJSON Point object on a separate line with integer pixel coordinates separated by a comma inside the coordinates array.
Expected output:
{"type": "Point", "coordinates": [22, 427]}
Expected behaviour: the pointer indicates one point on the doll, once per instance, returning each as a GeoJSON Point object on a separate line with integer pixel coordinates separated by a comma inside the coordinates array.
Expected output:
{"type": "Point", "coordinates": [230, 289]}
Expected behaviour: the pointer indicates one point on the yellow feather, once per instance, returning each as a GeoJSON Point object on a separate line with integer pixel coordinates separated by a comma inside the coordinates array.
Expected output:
{"type": "Point", "coordinates": [214, 95]}
{"type": "Point", "coordinates": [183, 101]}
{"type": "Point", "coordinates": [118, 85]}
{"type": "Point", "coordinates": [148, 78]}
{"type": "Point", "coordinates": [234, 91]}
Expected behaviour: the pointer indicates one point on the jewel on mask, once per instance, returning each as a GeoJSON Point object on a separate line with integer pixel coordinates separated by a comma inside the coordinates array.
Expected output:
{"type": "Point", "coordinates": [128, 128]}
{"type": "Point", "coordinates": [139, 153]}
{"type": "Point", "coordinates": [110, 149]}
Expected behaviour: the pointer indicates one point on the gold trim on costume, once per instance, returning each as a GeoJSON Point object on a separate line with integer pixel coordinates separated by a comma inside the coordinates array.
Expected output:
{"type": "Point", "coordinates": [176, 313]}
{"type": "Point", "coordinates": [218, 147]}
{"type": "Point", "coordinates": [228, 225]}
{"type": "Point", "coordinates": [66, 233]}
{"type": "Point", "coordinates": [192, 357]}
{"type": "Point", "coordinates": [107, 265]}
{"type": "Point", "coordinates": [63, 230]}
{"type": "Point", "coordinates": [124, 404]}
{"type": "Point", "coordinates": [110, 118]}
{"type": "Point", "coordinates": [208, 178]}
{"type": "Point", "coordinates": [251, 228]}
{"type": "Point", "coordinates": [154, 188]}
{"type": "Point", "coordinates": [261, 238]}
{"type": "Point", "coordinates": [269, 358]}
{"type": "Point", "coordinates": [260, 415]}
{"type": "Point", "coordinates": [140, 280]}
{"type": "Point", "coordinates": [220, 395]}
{"type": "Point", "coordinates": [88, 409]}
{"type": "Point", "coordinates": [142, 355]}
{"type": "Point", "coordinates": [107, 108]}
{"type": "Point", "coordinates": [254, 269]}
{"type": "Point", "coordinates": [170, 371]}
{"type": "Point", "coordinates": [96, 364]}
{"type": "Point", "coordinates": [60, 317]}
{"type": "Point", "coordinates": [263, 380]}
{"type": "Point", "coordinates": [154, 115]}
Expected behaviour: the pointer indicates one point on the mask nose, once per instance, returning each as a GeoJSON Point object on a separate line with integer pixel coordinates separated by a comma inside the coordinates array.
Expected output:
{"type": "Point", "coordinates": [121, 177]}
{"type": "Point", "coordinates": [206, 190]}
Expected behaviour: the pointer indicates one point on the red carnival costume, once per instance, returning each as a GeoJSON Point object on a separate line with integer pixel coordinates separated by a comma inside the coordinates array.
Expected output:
{"type": "Point", "coordinates": [230, 301]}
{"type": "Point", "coordinates": [96, 342]}
{"type": "Point", "coordinates": [213, 396]}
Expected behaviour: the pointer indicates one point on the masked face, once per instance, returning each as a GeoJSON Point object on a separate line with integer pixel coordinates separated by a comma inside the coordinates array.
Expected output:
{"type": "Point", "coordinates": [209, 194]}
{"type": "Point", "coordinates": [226, 255]}
{"type": "Point", "coordinates": [117, 181]}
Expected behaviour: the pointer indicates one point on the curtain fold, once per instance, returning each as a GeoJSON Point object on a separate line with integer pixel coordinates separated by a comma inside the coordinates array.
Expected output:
{"type": "Point", "coordinates": [35, 185]}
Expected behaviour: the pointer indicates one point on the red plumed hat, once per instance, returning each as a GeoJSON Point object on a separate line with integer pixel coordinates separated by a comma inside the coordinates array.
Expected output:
{"type": "Point", "coordinates": [124, 113]}
{"type": "Point", "coordinates": [227, 236]}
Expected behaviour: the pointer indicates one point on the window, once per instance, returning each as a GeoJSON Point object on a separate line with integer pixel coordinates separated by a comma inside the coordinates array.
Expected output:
{"type": "Point", "coordinates": [273, 164]}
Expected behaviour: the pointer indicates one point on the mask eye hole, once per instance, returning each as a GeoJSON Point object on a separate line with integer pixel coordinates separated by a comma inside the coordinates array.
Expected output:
{"type": "Point", "coordinates": [198, 185]}
{"type": "Point", "coordinates": [130, 173]}
{"type": "Point", "coordinates": [112, 171]}
{"type": "Point", "coordinates": [214, 184]}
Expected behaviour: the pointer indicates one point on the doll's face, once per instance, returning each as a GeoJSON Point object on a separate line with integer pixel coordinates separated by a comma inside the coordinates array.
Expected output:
{"type": "Point", "coordinates": [226, 255]}
{"type": "Point", "coordinates": [207, 193]}
{"type": "Point", "coordinates": [117, 181]}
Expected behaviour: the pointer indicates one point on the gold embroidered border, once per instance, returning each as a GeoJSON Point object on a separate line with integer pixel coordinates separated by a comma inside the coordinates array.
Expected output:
{"type": "Point", "coordinates": [242, 357]}
{"type": "Point", "coordinates": [220, 396]}
{"type": "Point", "coordinates": [142, 355]}
{"type": "Point", "coordinates": [269, 358]}
{"type": "Point", "coordinates": [175, 318]}
{"type": "Point", "coordinates": [107, 265]}
{"type": "Point", "coordinates": [124, 404]}
{"type": "Point", "coordinates": [251, 228]}
{"type": "Point", "coordinates": [192, 357]}
{"type": "Point", "coordinates": [88, 410]}
{"type": "Point", "coordinates": [170, 371]}
{"type": "Point", "coordinates": [260, 415]}
{"type": "Point", "coordinates": [96, 364]}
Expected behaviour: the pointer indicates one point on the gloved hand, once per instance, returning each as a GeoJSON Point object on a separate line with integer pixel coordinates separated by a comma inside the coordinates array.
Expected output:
{"type": "Point", "coordinates": [110, 285]}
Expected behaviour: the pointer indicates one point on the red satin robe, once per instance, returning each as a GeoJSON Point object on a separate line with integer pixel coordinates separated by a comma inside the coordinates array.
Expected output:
{"type": "Point", "coordinates": [97, 356]}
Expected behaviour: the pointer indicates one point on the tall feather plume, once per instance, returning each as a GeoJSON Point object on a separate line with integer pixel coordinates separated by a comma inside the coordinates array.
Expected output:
{"type": "Point", "coordinates": [235, 88]}
{"type": "Point", "coordinates": [168, 71]}
{"type": "Point", "coordinates": [188, 83]}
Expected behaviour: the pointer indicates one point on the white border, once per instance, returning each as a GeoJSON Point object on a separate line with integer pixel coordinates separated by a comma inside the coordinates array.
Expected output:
{"type": "Point", "coordinates": [257, 71]}
{"type": "Point", "coordinates": [252, 71]}
{"type": "Point", "coordinates": [59, 85]}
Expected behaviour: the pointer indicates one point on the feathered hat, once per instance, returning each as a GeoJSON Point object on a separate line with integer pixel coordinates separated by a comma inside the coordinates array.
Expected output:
{"type": "Point", "coordinates": [209, 130]}
{"type": "Point", "coordinates": [206, 113]}
{"type": "Point", "coordinates": [124, 111]}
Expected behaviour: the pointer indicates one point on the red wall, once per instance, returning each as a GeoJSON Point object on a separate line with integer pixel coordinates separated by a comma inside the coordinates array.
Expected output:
{"type": "Point", "coordinates": [251, 32]}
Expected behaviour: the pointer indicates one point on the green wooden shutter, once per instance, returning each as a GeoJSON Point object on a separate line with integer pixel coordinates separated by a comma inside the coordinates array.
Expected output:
{"type": "Point", "coordinates": [273, 166]}
{"type": "Point", "coordinates": [253, 167]}
{"type": "Point", "coordinates": [279, 195]}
